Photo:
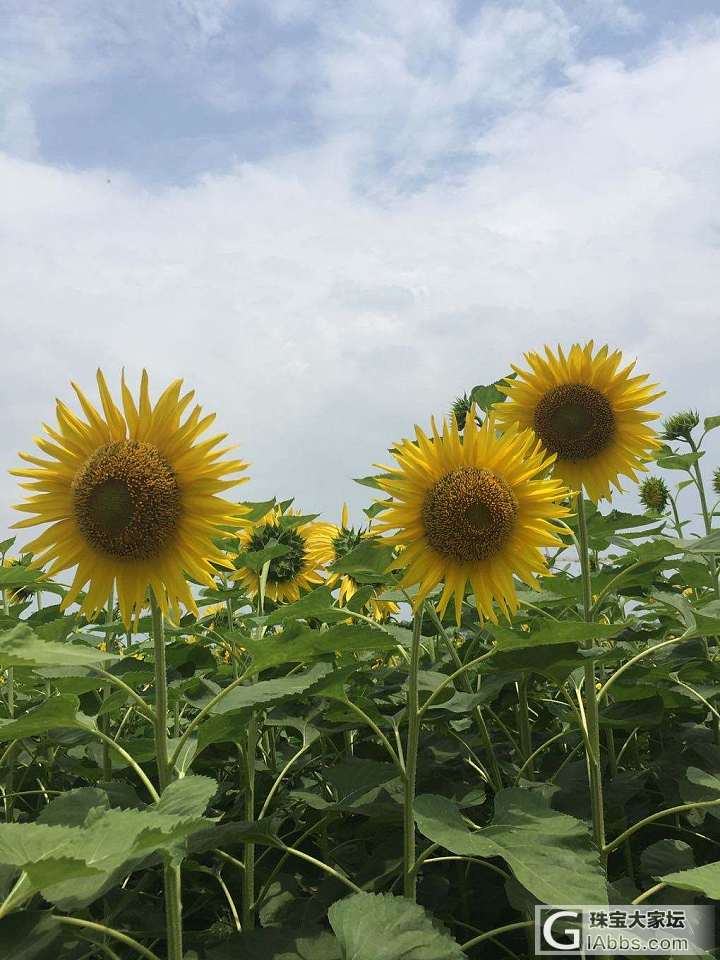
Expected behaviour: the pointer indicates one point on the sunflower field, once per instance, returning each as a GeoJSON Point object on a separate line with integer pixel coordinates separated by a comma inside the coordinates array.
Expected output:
{"type": "Point", "coordinates": [237, 730]}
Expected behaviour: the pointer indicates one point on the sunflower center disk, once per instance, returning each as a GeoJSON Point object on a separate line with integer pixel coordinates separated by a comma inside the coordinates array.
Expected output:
{"type": "Point", "coordinates": [469, 514]}
{"type": "Point", "coordinates": [126, 500]}
{"type": "Point", "coordinates": [575, 421]}
{"type": "Point", "coordinates": [289, 565]}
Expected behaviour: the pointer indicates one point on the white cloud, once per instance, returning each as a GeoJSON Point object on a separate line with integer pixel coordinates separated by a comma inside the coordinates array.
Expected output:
{"type": "Point", "coordinates": [321, 324]}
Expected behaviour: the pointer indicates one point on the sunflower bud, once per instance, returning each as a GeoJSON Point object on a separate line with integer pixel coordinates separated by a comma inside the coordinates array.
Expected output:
{"type": "Point", "coordinates": [654, 494]}
{"type": "Point", "coordinates": [716, 481]}
{"type": "Point", "coordinates": [681, 425]}
{"type": "Point", "coordinates": [460, 410]}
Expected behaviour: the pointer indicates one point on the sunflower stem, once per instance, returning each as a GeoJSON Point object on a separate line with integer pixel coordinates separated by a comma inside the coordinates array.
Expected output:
{"type": "Point", "coordinates": [172, 876]}
{"type": "Point", "coordinates": [248, 877]}
{"type": "Point", "coordinates": [413, 739]}
{"type": "Point", "coordinates": [524, 727]}
{"type": "Point", "coordinates": [591, 699]}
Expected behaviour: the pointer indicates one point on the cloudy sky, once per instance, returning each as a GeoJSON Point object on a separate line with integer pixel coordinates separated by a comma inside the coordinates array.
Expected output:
{"type": "Point", "coordinates": [332, 217]}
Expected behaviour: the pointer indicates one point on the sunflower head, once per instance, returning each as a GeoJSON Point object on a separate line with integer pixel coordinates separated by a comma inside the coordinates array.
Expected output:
{"type": "Point", "coordinates": [132, 498]}
{"type": "Point", "coordinates": [475, 508]}
{"type": "Point", "coordinates": [339, 542]}
{"type": "Point", "coordinates": [654, 494]}
{"type": "Point", "coordinates": [298, 568]}
{"type": "Point", "coordinates": [681, 425]}
{"type": "Point", "coordinates": [588, 411]}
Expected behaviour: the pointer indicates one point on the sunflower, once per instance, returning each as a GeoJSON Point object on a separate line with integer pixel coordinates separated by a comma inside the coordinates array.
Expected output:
{"type": "Point", "coordinates": [296, 571]}
{"type": "Point", "coordinates": [341, 540]}
{"type": "Point", "coordinates": [587, 410]}
{"type": "Point", "coordinates": [132, 499]}
{"type": "Point", "coordinates": [477, 508]}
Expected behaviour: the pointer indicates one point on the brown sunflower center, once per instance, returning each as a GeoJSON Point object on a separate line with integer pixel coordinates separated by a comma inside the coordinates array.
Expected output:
{"type": "Point", "coordinates": [469, 514]}
{"type": "Point", "coordinates": [575, 421]}
{"type": "Point", "coordinates": [127, 500]}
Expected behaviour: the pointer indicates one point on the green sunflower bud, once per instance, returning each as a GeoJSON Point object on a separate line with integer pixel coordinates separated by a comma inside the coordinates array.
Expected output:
{"type": "Point", "coordinates": [460, 410]}
{"type": "Point", "coordinates": [681, 425]}
{"type": "Point", "coordinates": [716, 481]}
{"type": "Point", "coordinates": [654, 494]}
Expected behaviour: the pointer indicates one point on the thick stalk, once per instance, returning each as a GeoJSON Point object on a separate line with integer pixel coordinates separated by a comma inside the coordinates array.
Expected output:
{"type": "Point", "coordinates": [591, 701]}
{"type": "Point", "coordinates": [524, 727]}
{"type": "Point", "coordinates": [10, 689]}
{"type": "Point", "coordinates": [251, 744]}
{"type": "Point", "coordinates": [248, 877]}
{"type": "Point", "coordinates": [173, 886]}
{"type": "Point", "coordinates": [413, 739]}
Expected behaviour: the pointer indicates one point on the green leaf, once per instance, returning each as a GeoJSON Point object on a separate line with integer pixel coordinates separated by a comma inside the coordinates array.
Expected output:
{"type": "Point", "coordinates": [370, 558]}
{"type": "Point", "coordinates": [51, 714]}
{"type": "Point", "coordinates": [643, 713]}
{"type": "Point", "coordinates": [379, 926]}
{"type": "Point", "coordinates": [5, 545]}
{"type": "Point", "coordinates": [704, 880]}
{"type": "Point", "coordinates": [258, 508]}
{"type": "Point", "coordinates": [709, 544]}
{"type": "Point", "coordinates": [679, 461]}
{"type": "Point", "coordinates": [188, 797]}
{"type": "Point", "coordinates": [74, 865]}
{"type": "Point", "coordinates": [318, 604]}
{"type": "Point", "coordinates": [552, 650]}
{"type": "Point", "coordinates": [20, 576]}
{"type": "Point", "coordinates": [256, 559]}
{"type": "Point", "coordinates": [709, 423]}
{"type": "Point", "coordinates": [308, 645]}
{"type": "Point", "coordinates": [550, 853]}
{"type": "Point", "coordinates": [487, 395]}
{"type": "Point", "coordinates": [268, 692]}
{"type": "Point", "coordinates": [22, 647]}
{"type": "Point", "coordinates": [666, 855]}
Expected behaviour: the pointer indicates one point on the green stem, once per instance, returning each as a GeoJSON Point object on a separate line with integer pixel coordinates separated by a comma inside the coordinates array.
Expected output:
{"type": "Point", "coordinates": [413, 740]}
{"type": "Point", "coordinates": [524, 727]}
{"type": "Point", "coordinates": [110, 932]}
{"type": "Point", "coordinates": [523, 924]}
{"type": "Point", "coordinates": [591, 698]}
{"type": "Point", "coordinates": [681, 808]}
{"type": "Point", "coordinates": [173, 882]}
{"type": "Point", "coordinates": [248, 877]}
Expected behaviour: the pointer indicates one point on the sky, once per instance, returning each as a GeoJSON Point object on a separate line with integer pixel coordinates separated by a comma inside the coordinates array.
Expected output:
{"type": "Point", "coordinates": [331, 218]}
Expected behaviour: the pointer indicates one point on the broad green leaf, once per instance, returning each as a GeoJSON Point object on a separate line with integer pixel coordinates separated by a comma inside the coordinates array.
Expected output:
{"type": "Point", "coordinates": [370, 557]}
{"type": "Point", "coordinates": [319, 604]}
{"type": "Point", "coordinates": [74, 865]}
{"type": "Point", "coordinates": [257, 509]}
{"type": "Point", "coordinates": [704, 880]}
{"type": "Point", "coordinates": [308, 645]}
{"type": "Point", "coordinates": [5, 545]}
{"type": "Point", "coordinates": [550, 853]}
{"type": "Point", "coordinates": [666, 855]}
{"type": "Point", "coordinates": [22, 647]}
{"type": "Point", "coordinates": [565, 631]}
{"type": "Point", "coordinates": [49, 715]}
{"type": "Point", "coordinates": [679, 461]}
{"type": "Point", "coordinates": [486, 395]}
{"type": "Point", "coordinates": [709, 423]}
{"type": "Point", "coordinates": [379, 926]}
{"type": "Point", "coordinates": [256, 559]}
{"type": "Point", "coordinates": [188, 797]}
{"type": "Point", "coordinates": [643, 712]}
{"type": "Point", "coordinates": [269, 692]}
{"type": "Point", "coordinates": [709, 544]}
